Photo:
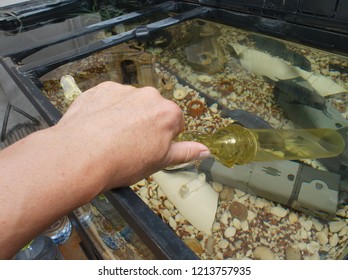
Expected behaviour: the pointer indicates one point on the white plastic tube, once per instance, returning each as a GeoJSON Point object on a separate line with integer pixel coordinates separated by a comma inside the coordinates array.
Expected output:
{"type": "Point", "coordinates": [190, 193]}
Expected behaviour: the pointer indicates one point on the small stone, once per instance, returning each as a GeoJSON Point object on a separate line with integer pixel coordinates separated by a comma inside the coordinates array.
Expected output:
{"type": "Point", "coordinates": [143, 192]}
{"type": "Point", "coordinates": [293, 218]}
{"type": "Point", "coordinates": [333, 240]}
{"type": "Point", "coordinates": [180, 218]}
{"type": "Point", "coordinates": [216, 227]}
{"type": "Point", "coordinates": [218, 187]}
{"type": "Point", "coordinates": [236, 223]}
{"type": "Point", "coordinates": [244, 225]}
{"type": "Point", "coordinates": [303, 234]}
{"type": "Point", "coordinates": [238, 244]}
{"type": "Point", "coordinates": [322, 237]}
{"type": "Point", "coordinates": [318, 225]}
{"type": "Point", "coordinates": [239, 211]}
{"type": "Point", "coordinates": [141, 183]}
{"type": "Point", "coordinates": [223, 244]}
{"type": "Point", "coordinates": [259, 203]}
{"type": "Point", "coordinates": [229, 232]}
{"type": "Point", "coordinates": [155, 202]}
{"type": "Point", "coordinates": [205, 79]}
{"type": "Point", "coordinates": [279, 211]}
{"type": "Point", "coordinates": [251, 215]}
{"type": "Point", "coordinates": [230, 196]}
{"type": "Point", "coordinates": [292, 253]}
{"type": "Point", "coordinates": [301, 246]}
{"type": "Point", "coordinates": [224, 193]}
{"type": "Point", "coordinates": [168, 205]}
{"type": "Point", "coordinates": [314, 256]}
{"type": "Point", "coordinates": [263, 253]}
{"type": "Point", "coordinates": [172, 223]}
{"type": "Point", "coordinates": [336, 226]}
{"type": "Point", "coordinates": [194, 245]}
{"type": "Point", "coordinates": [214, 108]}
{"type": "Point", "coordinates": [180, 93]}
{"type": "Point", "coordinates": [307, 225]}
{"type": "Point", "coordinates": [239, 193]}
{"type": "Point", "coordinates": [224, 218]}
{"type": "Point", "coordinates": [209, 246]}
{"type": "Point", "coordinates": [166, 214]}
{"type": "Point", "coordinates": [343, 232]}
{"type": "Point", "coordinates": [192, 78]}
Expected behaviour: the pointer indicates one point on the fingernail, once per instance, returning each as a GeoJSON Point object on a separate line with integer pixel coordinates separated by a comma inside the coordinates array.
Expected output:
{"type": "Point", "coordinates": [204, 154]}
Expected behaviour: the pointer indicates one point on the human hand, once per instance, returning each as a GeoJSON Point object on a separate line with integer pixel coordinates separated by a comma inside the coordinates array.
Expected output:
{"type": "Point", "coordinates": [122, 134]}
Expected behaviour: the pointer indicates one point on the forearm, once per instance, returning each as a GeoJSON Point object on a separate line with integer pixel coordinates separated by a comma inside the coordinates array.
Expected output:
{"type": "Point", "coordinates": [39, 185]}
{"type": "Point", "coordinates": [111, 136]}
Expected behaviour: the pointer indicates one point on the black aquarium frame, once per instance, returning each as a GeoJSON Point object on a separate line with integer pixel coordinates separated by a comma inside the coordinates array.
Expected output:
{"type": "Point", "coordinates": [284, 21]}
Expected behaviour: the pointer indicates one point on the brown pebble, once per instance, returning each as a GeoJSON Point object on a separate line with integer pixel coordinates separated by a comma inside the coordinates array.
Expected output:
{"type": "Point", "coordinates": [194, 245]}
{"type": "Point", "coordinates": [239, 211]}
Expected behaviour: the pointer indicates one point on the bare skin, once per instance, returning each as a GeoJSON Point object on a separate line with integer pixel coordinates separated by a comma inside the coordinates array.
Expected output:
{"type": "Point", "coordinates": [111, 136]}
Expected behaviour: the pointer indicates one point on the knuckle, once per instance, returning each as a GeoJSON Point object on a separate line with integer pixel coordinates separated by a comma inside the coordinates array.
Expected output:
{"type": "Point", "coordinates": [150, 90]}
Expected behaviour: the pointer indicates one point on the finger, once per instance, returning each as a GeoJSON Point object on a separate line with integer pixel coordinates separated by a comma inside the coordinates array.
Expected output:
{"type": "Point", "coordinates": [181, 152]}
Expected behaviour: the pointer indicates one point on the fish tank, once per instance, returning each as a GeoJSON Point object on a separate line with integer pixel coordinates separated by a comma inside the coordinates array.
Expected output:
{"type": "Point", "coordinates": [221, 72]}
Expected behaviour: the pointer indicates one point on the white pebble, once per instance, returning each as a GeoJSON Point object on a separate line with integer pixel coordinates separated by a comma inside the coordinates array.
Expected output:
{"type": "Point", "coordinates": [343, 232]}
{"type": "Point", "coordinates": [245, 225]}
{"type": "Point", "coordinates": [209, 246]}
{"type": "Point", "coordinates": [307, 225]}
{"type": "Point", "coordinates": [180, 93]}
{"type": "Point", "coordinates": [180, 218]}
{"type": "Point", "coordinates": [318, 225]}
{"type": "Point", "coordinates": [251, 215]}
{"type": "Point", "coordinates": [142, 183]}
{"type": "Point", "coordinates": [293, 218]}
{"type": "Point", "coordinates": [223, 244]}
{"type": "Point", "coordinates": [172, 223]}
{"type": "Point", "coordinates": [155, 202]}
{"type": "Point", "coordinates": [168, 204]}
{"type": "Point", "coordinates": [229, 232]}
{"type": "Point", "coordinates": [263, 253]}
{"type": "Point", "coordinates": [143, 192]}
{"type": "Point", "coordinates": [322, 237]}
{"type": "Point", "coordinates": [310, 248]}
{"type": "Point", "coordinates": [333, 240]}
{"type": "Point", "coordinates": [216, 226]}
{"type": "Point", "coordinates": [205, 79]}
{"type": "Point", "coordinates": [279, 211]}
{"type": "Point", "coordinates": [263, 241]}
{"type": "Point", "coordinates": [192, 78]}
{"type": "Point", "coordinates": [214, 108]}
{"type": "Point", "coordinates": [259, 203]}
{"type": "Point", "coordinates": [303, 234]}
{"type": "Point", "coordinates": [239, 193]}
{"type": "Point", "coordinates": [336, 226]}
{"type": "Point", "coordinates": [238, 244]}
{"type": "Point", "coordinates": [224, 217]}
{"type": "Point", "coordinates": [166, 214]}
{"type": "Point", "coordinates": [236, 223]}
{"type": "Point", "coordinates": [218, 187]}
{"type": "Point", "coordinates": [301, 246]}
{"type": "Point", "coordinates": [315, 256]}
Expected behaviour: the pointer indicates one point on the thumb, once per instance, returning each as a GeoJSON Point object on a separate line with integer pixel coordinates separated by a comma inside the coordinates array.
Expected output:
{"type": "Point", "coordinates": [182, 152]}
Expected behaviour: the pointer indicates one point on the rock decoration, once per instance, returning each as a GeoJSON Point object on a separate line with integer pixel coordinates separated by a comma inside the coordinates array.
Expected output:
{"type": "Point", "coordinates": [239, 211]}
